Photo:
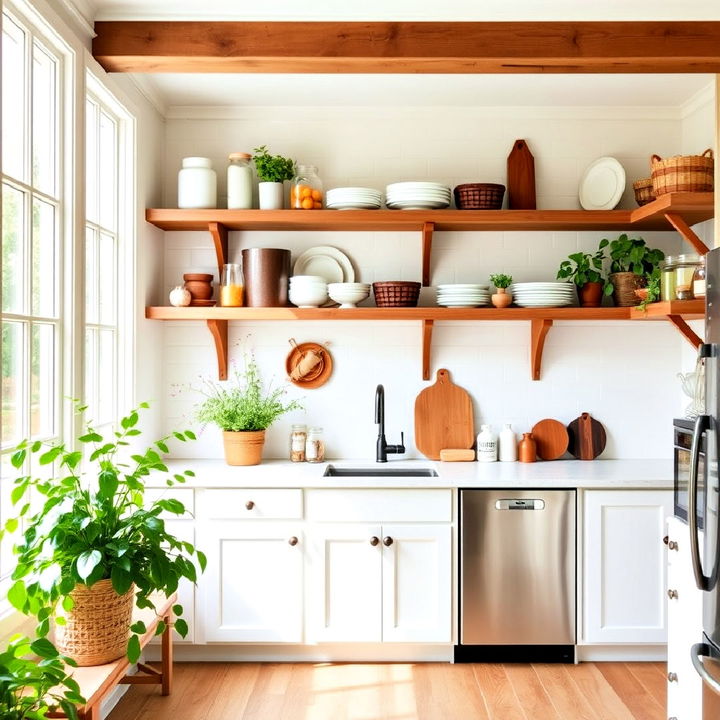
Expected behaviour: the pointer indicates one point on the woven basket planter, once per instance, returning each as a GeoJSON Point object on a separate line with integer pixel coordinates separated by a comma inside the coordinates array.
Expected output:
{"type": "Point", "coordinates": [396, 293]}
{"type": "Point", "coordinates": [97, 628]}
{"type": "Point", "coordinates": [644, 191]}
{"type": "Point", "coordinates": [682, 173]}
{"type": "Point", "coordinates": [625, 284]}
{"type": "Point", "coordinates": [479, 196]}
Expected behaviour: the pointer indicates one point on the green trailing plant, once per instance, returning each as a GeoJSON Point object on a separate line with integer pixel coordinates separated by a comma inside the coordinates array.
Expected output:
{"type": "Point", "coordinates": [653, 289]}
{"type": "Point", "coordinates": [243, 405]}
{"type": "Point", "coordinates": [501, 281]}
{"type": "Point", "coordinates": [32, 686]}
{"type": "Point", "coordinates": [95, 523]}
{"type": "Point", "coordinates": [633, 255]}
{"type": "Point", "coordinates": [582, 268]}
{"type": "Point", "coordinates": [272, 168]}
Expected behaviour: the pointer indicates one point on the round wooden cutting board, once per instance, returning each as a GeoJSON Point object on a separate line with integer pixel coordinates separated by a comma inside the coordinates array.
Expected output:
{"type": "Point", "coordinates": [551, 438]}
{"type": "Point", "coordinates": [587, 437]}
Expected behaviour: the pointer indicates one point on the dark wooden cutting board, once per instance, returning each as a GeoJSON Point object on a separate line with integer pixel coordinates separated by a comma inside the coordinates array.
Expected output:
{"type": "Point", "coordinates": [521, 177]}
{"type": "Point", "coordinates": [587, 437]}
{"type": "Point", "coordinates": [443, 417]}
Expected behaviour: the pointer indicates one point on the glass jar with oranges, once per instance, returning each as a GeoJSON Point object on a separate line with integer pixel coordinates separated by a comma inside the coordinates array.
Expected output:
{"type": "Point", "coordinates": [306, 192]}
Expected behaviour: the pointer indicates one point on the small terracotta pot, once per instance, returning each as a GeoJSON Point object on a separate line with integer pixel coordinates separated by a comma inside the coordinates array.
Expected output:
{"type": "Point", "coordinates": [501, 298]}
{"type": "Point", "coordinates": [527, 448]}
{"type": "Point", "coordinates": [243, 448]}
{"type": "Point", "coordinates": [199, 285]}
{"type": "Point", "coordinates": [625, 284]}
{"type": "Point", "coordinates": [591, 294]}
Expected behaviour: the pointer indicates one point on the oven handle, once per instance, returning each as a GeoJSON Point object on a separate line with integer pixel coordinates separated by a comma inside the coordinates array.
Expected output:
{"type": "Point", "coordinates": [702, 423]}
{"type": "Point", "coordinates": [697, 653]}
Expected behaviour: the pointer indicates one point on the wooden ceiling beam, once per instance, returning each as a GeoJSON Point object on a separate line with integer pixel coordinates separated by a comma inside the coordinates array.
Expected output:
{"type": "Point", "coordinates": [408, 47]}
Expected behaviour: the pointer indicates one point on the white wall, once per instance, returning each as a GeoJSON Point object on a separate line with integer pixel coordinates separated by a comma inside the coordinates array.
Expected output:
{"type": "Point", "coordinates": [623, 373]}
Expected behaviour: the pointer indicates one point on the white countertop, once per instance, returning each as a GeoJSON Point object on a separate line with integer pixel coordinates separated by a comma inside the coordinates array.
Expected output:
{"type": "Point", "coordinates": [621, 474]}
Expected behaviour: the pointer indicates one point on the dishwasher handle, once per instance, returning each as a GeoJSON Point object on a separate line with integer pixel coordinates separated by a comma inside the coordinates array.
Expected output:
{"type": "Point", "coordinates": [520, 504]}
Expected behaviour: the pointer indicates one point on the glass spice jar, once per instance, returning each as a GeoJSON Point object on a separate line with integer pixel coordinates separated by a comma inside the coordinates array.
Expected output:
{"type": "Point", "coordinates": [298, 438]}
{"type": "Point", "coordinates": [315, 446]}
{"type": "Point", "coordinates": [231, 286]}
{"type": "Point", "coordinates": [684, 270]}
{"type": "Point", "coordinates": [667, 279]}
{"type": "Point", "coordinates": [306, 192]}
{"type": "Point", "coordinates": [698, 281]}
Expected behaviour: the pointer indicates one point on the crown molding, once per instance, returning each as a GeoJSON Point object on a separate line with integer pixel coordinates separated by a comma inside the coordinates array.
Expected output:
{"type": "Point", "coordinates": [82, 14]}
{"type": "Point", "coordinates": [701, 98]}
{"type": "Point", "coordinates": [149, 90]}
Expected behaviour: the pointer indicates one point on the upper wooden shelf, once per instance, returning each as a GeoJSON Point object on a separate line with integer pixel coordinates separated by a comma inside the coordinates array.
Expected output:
{"type": "Point", "coordinates": [692, 207]}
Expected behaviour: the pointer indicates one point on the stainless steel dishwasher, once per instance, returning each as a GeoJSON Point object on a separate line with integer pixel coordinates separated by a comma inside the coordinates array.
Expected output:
{"type": "Point", "coordinates": [517, 576]}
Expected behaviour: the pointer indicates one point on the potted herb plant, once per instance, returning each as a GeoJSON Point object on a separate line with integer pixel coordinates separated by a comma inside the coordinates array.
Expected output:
{"type": "Point", "coordinates": [632, 263]}
{"type": "Point", "coordinates": [501, 298]}
{"type": "Point", "coordinates": [586, 271]}
{"type": "Point", "coordinates": [30, 688]}
{"type": "Point", "coordinates": [243, 411]}
{"type": "Point", "coordinates": [272, 171]}
{"type": "Point", "coordinates": [95, 546]}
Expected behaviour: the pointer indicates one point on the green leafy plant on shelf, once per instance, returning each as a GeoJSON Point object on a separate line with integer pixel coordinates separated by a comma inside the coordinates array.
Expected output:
{"type": "Point", "coordinates": [34, 680]}
{"type": "Point", "coordinates": [582, 268]}
{"type": "Point", "coordinates": [653, 290]}
{"type": "Point", "coordinates": [633, 255]}
{"type": "Point", "coordinates": [95, 523]}
{"type": "Point", "coordinates": [501, 281]}
{"type": "Point", "coordinates": [272, 168]}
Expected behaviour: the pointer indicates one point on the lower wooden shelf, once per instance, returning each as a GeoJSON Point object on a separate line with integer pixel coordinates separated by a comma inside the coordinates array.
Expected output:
{"type": "Point", "coordinates": [541, 320]}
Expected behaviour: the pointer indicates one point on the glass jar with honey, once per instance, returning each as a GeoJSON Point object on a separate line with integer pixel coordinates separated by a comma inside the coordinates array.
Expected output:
{"type": "Point", "coordinates": [232, 286]}
{"type": "Point", "coordinates": [306, 192]}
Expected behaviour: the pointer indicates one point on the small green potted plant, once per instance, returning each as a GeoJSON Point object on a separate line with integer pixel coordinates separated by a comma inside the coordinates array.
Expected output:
{"type": "Point", "coordinates": [243, 411]}
{"type": "Point", "coordinates": [632, 263]}
{"type": "Point", "coordinates": [94, 546]}
{"type": "Point", "coordinates": [31, 687]}
{"type": "Point", "coordinates": [586, 271]}
{"type": "Point", "coordinates": [272, 171]}
{"type": "Point", "coordinates": [501, 298]}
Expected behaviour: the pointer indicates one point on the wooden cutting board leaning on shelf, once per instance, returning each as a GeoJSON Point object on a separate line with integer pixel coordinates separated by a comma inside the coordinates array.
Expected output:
{"type": "Point", "coordinates": [521, 177]}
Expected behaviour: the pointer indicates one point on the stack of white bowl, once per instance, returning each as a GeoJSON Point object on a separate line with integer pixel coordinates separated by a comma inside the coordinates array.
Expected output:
{"type": "Point", "coordinates": [308, 291]}
{"type": "Point", "coordinates": [463, 295]}
{"type": "Point", "coordinates": [417, 196]}
{"type": "Point", "coordinates": [543, 294]}
{"type": "Point", "coordinates": [353, 198]}
{"type": "Point", "coordinates": [348, 294]}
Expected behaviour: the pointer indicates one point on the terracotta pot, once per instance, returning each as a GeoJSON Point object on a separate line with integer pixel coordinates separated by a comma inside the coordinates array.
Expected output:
{"type": "Point", "coordinates": [243, 448]}
{"type": "Point", "coordinates": [625, 284]}
{"type": "Point", "coordinates": [501, 298]}
{"type": "Point", "coordinates": [591, 294]}
{"type": "Point", "coordinates": [527, 448]}
{"type": "Point", "coordinates": [199, 285]}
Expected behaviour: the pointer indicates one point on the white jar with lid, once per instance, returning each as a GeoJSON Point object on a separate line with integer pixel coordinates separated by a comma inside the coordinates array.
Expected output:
{"type": "Point", "coordinates": [315, 445]}
{"type": "Point", "coordinates": [239, 181]}
{"type": "Point", "coordinates": [197, 183]}
{"type": "Point", "coordinates": [486, 445]}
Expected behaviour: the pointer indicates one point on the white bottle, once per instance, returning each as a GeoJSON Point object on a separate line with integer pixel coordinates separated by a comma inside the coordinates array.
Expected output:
{"type": "Point", "coordinates": [197, 184]}
{"type": "Point", "coordinates": [507, 444]}
{"type": "Point", "coordinates": [239, 182]}
{"type": "Point", "coordinates": [486, 445]}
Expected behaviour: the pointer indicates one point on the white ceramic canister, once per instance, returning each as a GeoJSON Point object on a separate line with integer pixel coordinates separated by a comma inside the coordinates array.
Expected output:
{"type": "Point", "coordinates": [486, 445]}
{"type": "Point", "coordinates": [197, 184]}
{"type": "Point", "coordinates": [239, 182]}
{"type": "Point", "coordinates": [507, 444]}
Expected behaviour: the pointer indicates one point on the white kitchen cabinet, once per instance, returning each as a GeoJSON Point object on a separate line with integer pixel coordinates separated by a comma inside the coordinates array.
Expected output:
{"type": "Point", "coordinates": [624, 566]}
{"type": "Point", "coordinates": [684, 625]}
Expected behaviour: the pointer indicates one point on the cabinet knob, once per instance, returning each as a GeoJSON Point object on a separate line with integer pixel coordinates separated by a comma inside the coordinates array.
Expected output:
{"type": "Point", "coordinates": [374, 540]}
{"type": "Point", "coordinates": [672, 677]}
{"type": "Point", "coordinates": [249, 504]}
{"type": "Point", "coordinates": [665, 539]}
{"type": "Point", "coordinates": [672, 545]}
{"type": "Point", "coordinates": [672, 594]}
{"type": "Point", "coordinates": [387, 541]}
{"type": "Point", "coordinates": [293, 541]}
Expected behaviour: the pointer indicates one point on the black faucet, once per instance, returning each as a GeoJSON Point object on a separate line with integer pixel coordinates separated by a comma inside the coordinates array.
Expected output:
{"type": "Point", "coordinates": [382, 447]}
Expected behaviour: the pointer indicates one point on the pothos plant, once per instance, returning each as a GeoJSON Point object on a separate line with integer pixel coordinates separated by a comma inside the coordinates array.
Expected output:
{"type": "Point", "coordinates": [272, 168]}
{"type": "Point", "coordinates": [30, 687]}
{"type": "Point", "coordinates": [582, 268]}
{"type": "Point", "coordinates": [95, 523]}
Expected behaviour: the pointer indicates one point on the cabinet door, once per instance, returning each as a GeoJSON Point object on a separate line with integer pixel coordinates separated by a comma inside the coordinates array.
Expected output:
{"type": "Point", "coordinates": [345, 592]}
{"type": "Point", "coordinates": [624, 597]}
{"type": "Point", "coordinates": [417, 583]}
{"type": "Point", "coordinates": [252, 588]}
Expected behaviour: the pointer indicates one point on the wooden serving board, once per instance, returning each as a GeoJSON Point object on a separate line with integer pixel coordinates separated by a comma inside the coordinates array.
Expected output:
{"type": "Point", "coordinates": [587, 437]}
{"type": "Point", "coordinates": [443, 417]}
{"type": "Point", "coordinates": [521, 177]}
{"type": "Point", "coordinates": [551, 438]}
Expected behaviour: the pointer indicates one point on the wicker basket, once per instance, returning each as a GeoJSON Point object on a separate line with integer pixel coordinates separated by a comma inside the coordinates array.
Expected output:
{"type": "Point", "coordinates": [97, 628]}
{"type": "Point", "coordinates": [624, 286]}
{"type": "Point", "coordinates": [479, 196]}
{"type": "Point", "coordinates": [396, 293]}
{"type": "Point", "coordinates": [643, 191]}
{"type": "Point", "coordinates": [682, 173]}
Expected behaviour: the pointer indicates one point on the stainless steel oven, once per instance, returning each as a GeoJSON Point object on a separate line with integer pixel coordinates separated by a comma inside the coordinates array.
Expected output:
{"type": "Point", "coordinates": [683, 434]}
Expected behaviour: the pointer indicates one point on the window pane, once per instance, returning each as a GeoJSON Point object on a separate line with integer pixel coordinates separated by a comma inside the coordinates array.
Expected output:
{"type": "Point", "coordinates": [42, 381]}
{"type": "Point", "coordinates": [12, 382]}
{"type": "Point", "coordinates": [91, 372]}
{"type": "Point", "coordinates": [107, 277]}
{"type": "Point", "coordinates": [14, 138]}
{"type": "Point", "coordinates": [106, 377]}
{"type": "Point", "coordinates": [13, 223]}
{"type": "Point", "coordinates": [44, 124]}
{"type": "Point", "coordinates": [107, 171]}
{"type": "Point", "coordinates": [91, 276]}
{"type": "Point", "coordinates": [91, 161]}
{"type": "Point", "coordinates": [7, 477]}
{"type": "Point", "coordinates": [44, 259]}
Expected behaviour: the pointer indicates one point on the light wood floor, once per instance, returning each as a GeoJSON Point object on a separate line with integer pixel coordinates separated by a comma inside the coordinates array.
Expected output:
{"type": "Point", "coordinates": [432, 691]}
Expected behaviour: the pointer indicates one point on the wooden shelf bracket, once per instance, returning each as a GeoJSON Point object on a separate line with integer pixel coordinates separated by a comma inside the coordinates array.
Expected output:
{"type": "Point", "coordinates": [687, 332]}
{"type": "Point", "coordinates": [427, 330]}
{"type": "Point", "coordinates": [687, 232]}
{"type": "Point", "coordinates": [538, 330]}
{"type": "Point", "coordinates": [219, 331]}
{"type": "Point", "coordinates": [427, 236]}
{"type": "Point", "coordinates": [219, 234]}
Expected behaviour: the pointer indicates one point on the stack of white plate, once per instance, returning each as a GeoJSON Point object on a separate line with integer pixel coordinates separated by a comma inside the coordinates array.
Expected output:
{"type": "Point", "coordinates": [543, 294]}
{"type": "Point", "coordinates": [353, 198]}
{"type": "Point", "coordinates": [417, 196]}
{"type": "Point", "coordinates": [463, 295]}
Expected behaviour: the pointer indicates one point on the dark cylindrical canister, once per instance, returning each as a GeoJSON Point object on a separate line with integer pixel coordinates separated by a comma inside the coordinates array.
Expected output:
{"type": "Point", "coordinates": [267, 272]}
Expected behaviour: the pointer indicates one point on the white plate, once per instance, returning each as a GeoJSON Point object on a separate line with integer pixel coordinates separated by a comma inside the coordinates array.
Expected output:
{"type": "Point", "coordinates": [535, 285]}
{"type": "Point", "coordinates": [417, 186]}
{"type": "Point", "coordinates": [418, 205]}
{"type": "Point", "coordinates": [349, 205]}
{"type": "Point", "coordinates": [463, 286]}
{"type": "Point", "coordinates": [316, 261]}
{"type": "Point", "coordinates": [602, 184]}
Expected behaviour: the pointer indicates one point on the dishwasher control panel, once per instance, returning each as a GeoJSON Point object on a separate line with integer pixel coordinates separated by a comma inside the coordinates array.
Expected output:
{"type": "Point", "coordinates": [515, 504]}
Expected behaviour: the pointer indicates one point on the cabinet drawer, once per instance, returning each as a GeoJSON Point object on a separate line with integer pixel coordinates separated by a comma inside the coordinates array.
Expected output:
{"type": "Point", "coordinates": [184, 495]}
{"type": "Point", "coordinates": [379, 505]}
{"type": "Point", "coordinates": [249, 504]}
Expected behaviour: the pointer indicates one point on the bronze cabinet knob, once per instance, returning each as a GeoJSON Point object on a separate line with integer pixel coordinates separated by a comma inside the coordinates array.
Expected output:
{"type": "Point", "coordinates": [672, 545]}
{"type": "Point", "coordinates": [374, 540]}
{"type": "Point", "coordinates": [387, 541]}
{"type": "Point", "coordinates": [249, 504]}
{"type": "Point", "coordinates": [293, 541]}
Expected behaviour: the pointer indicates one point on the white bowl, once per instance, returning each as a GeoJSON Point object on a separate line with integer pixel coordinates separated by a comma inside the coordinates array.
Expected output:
{"type": "Point", "coordinates": [308, 297]}
{"type": "Point", "coordinates": [348, 294]}
{"type": "Point", "coordinates": [307, 279]}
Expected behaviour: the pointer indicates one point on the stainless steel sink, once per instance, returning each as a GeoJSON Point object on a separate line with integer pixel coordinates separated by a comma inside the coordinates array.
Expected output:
{"type": "Point", "coordinates": [333, 471]}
